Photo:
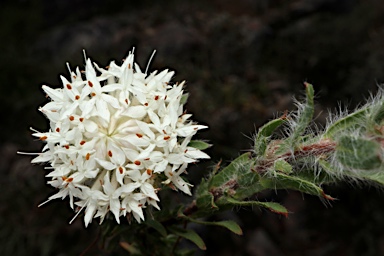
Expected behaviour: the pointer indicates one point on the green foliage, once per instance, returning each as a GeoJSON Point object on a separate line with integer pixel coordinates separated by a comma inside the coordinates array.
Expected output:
{"type": "Point", "coordinates": [228, 224]}
{"type": "Point", "coordinates": [264, 135]}
{"type": "Point", "coordinates": [358, 153]}
{"type": "Point", "coordinates": [199, 144]}
{"type": "Point", "coordinates": [351, 147]}
{"type": "Point", "coordinates": [188, 234]}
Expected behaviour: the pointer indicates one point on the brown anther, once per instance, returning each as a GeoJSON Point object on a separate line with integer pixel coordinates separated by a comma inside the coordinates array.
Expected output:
{"type": "Point", "coordinates": [69, 87]}
{"type": "Point", "coordinates": [93, 94]}
{"type": "Point", "coordinates": [69, 179]}
{"type": "Point", "coordinates": [110, 153]}
{"type": "Point", "coordinates": [74, 77]}
{"type": "Point", "coordinates": [164, 131]}
{"type": "Point", "coordinates": [139, 135]}
{"type": "Point", "coordinates": [66, 146]}
{"type": "Point", "coordinates": [140, 205]}
{"type": "Point", "coordinates": [72, 163]}
{"type": "Point", "coordinates": [195, 128]}
{"type": "Point", "coordinates": [87, 156]}
{"type": "Point", "coordinates": [77, 97]}
{"type": "Point", "coordinates": [126, 101]}
{"type": "Point", "coordinates": [156, 97]}
{"type": "Point", "coordinates": [63, 177]}
{"type": "Point", "coordinates": [121, 170]}
{"type": "Point", "coordinates": [165, 97]}
{"type": "Point", "coordinates": [170, 174]}
{"type": "Point", "coordinates": [167, 137]}
{"type": "Point", "coordinates": [90, 84]}
{"type": "Point", "coordinates": [137, 162]}
{"type": "Point", "coordinates": [43, 137]}
{"type": "Point", "coordinates": [185, 151]}
{"type": "Point", "coordinates": [81, 119]}
{"type": "Point", "coordinates": [57, 129]}
{"type": "Point", "coordinates": [129, 65]}
{"type": "Point", "coordinates": [149, 171]}
{"type": "Point", "coordinates": [82, 142]}
{"type": "Point", "coordinates": [71, 118]}
{"type": "Point", "coordinates": [146, 104]}
{"type": "Point", "coordinates": [146, 159]}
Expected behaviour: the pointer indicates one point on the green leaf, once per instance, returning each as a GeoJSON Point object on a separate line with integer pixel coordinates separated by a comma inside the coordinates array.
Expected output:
{"type": "Point", "coordinates": [231, 171]}
{"type": "Point", "coordinates": [282, 165]}
{"type": "Point", "coordinates": [350, 122]}
{"type": "Point", "coordinates": [157, 226]}
{"type": "Point", "coordinates": [188, 234]}
{"type": "Point", "coordinates": [248, 185]}
{"type": "Point", "coordinates": [272, 206]}
{"type": "Point", "coordinates": [204, 199]}
{"type": "Point", "coordinates": [199, 144]}
{"type": "Point", "coordinates": [377, 113]}
{"type": "Point", "coordinates": [228, 224]}
{"type": "Point", "coordinates": [283, 181]}
{"type": "Point", "coordinates": [264, 133]}
{"type": "Point", "coordinates": [358, 153]}
{"type": "Point", "coordinates": [305, 115]}
{"type": "Point", "coordinates": [377, 177]}
{"type": "Point", "coordinates": [184, 98]}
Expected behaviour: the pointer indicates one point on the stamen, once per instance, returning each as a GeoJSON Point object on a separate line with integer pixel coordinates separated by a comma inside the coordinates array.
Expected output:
{"type": "Point", "coordinates": [150, 59]}
{"type": "Point", "coordinates": [28, 154]}
{"type": "Point", "coordinates": [77, 214]}
{"type": "Point", "coordinates": [43, 203]}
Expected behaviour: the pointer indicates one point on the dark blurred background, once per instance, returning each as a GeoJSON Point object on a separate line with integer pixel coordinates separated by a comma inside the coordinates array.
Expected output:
{"type": "Point", "coordinates": [243, 61]}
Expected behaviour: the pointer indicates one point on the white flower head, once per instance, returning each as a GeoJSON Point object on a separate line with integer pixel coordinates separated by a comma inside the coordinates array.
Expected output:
{"type": "Point", "coordinates": [117, 135]}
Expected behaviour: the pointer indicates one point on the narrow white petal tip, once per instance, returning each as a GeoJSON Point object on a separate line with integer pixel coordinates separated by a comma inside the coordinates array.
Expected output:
{"type": "Point", "coordinates": [28, 154]}
{"type": "Point", "coordinates": [43, 203]}
{"type": "Point", "coordinates": [77, 214]}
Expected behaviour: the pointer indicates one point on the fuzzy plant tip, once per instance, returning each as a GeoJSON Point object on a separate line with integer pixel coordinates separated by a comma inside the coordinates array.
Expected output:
{"type": "Point", "coordinates": [117, 136]}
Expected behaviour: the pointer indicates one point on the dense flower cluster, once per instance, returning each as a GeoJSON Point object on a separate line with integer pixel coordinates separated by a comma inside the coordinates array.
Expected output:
{"type": "Point", "coordinates": [116, 136]}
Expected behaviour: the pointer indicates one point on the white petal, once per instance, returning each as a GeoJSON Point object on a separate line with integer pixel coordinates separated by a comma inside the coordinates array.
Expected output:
{"type": "Point", "coordinates": [106, 164]}
{"type": "Point", "coordinates": [136, 111]}
{"type": "Point", "coordinates": [54, 94]}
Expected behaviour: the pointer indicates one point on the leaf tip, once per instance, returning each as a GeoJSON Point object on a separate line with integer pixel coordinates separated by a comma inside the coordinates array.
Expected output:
{"type": "Point", "coordinates": [328, 197]}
